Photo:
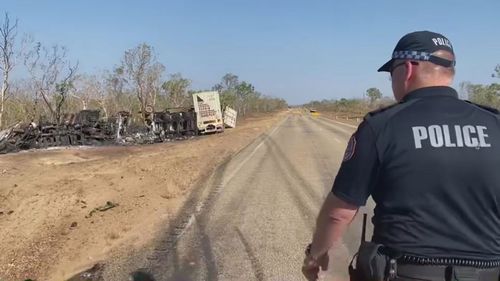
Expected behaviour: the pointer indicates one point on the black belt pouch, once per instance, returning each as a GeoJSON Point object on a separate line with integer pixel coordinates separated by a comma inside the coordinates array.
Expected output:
{"type": "Point", "coordinates": [371, 264]}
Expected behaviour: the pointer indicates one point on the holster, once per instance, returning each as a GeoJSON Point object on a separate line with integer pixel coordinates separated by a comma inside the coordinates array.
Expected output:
{"type": "Point", "coordinates": [371, 264]}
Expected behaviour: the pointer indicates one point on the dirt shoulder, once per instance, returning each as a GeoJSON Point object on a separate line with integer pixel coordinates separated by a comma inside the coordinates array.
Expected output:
{"type": "Point", "coordinates": [64, 210]}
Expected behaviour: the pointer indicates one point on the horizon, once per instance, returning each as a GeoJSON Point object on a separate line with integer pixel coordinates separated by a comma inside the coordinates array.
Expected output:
{"type": "Point", "coordinates": [291, 50]}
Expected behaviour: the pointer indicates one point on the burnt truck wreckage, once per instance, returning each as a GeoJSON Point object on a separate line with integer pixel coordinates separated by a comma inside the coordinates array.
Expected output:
{"type": "Point", "coordinates": [87, 128]}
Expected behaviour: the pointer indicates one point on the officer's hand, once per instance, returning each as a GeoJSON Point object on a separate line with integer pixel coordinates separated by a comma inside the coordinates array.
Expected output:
{"type": "Point", "coordinates": [312, 267]}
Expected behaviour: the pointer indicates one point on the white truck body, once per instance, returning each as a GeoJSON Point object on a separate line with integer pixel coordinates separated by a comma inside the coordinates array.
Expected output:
{"type": "Point", "coordinates": [208, 112]}
{"type": "Point", "coordinates": [230, 117]}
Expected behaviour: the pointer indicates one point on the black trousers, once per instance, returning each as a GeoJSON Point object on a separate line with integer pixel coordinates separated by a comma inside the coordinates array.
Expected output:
{"type": "Point", "coordinates": [445, 273]}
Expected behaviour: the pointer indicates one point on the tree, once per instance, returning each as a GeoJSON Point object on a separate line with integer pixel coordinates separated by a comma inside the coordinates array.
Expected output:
{"type": "Point", "coordinates": [253, 101]}
{"type": "Point", "coordinates": [244, 91]}
{"type": "Point", "coordinates": [82, 90]}
{"type": "Point", "coordinates": [92, 88]}
{"type": "Point", "coordinates": [234, 93]}
{"type": "Point", "coordinates": [116, 89]}
{"type": "Point", "coordinates": [482, 94]}
{"type": "Point", "coordinates": [497, 71]}
{"type": "Point", "coordinates": [62, 90]}
{"type": "Point", "coordinates": [52, 76]}
{"type": "Point", "coordinates": [8, 34]}
{"type": "Point", "coordinates": [373, 94]}
{"type": "Point", "coordinates": [116, 81]}
{"type": "Point", "coordinates": [227, 90]}
{"type": "Point", "coordinates": [227, 98]}
{"type": "Point", "coordinates": [243, 97]}
{"type": "Point", "coordinates": [143, 73]}
{"type": "Point", "coordinates": [176, 89]}
{"type": "Point", "coordinates": [229, 82]}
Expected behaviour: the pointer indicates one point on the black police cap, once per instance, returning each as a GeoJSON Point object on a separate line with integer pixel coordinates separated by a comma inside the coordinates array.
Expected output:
{"type": "Point", "coordinates": [420, 45]}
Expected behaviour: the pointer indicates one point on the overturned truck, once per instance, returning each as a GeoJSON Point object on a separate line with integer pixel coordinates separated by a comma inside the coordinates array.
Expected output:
{"type": "Point", "coordinates": [88, 128]}
{"type": "Point", "coordinates": [174, 123]}
{"type": "Point", "coordinates": [83, 128]}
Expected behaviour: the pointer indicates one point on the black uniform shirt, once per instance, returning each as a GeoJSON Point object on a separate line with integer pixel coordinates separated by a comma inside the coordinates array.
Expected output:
{"type": "Point", "coordinates": [432, 165]}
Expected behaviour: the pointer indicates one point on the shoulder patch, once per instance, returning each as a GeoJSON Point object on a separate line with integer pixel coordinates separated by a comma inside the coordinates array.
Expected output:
{"type": "Point", "coordinates": [490, 109]}
{"type": "Point", "coordinates": [351, 148]}
{"type": "Point", "coordinates": [380, 118]}
{"type": "Point", "coordinates": [380, 110]}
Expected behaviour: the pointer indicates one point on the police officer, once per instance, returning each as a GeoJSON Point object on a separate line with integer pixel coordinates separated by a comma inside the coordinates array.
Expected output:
{"type": "Point", "coordinates": [430, 163]}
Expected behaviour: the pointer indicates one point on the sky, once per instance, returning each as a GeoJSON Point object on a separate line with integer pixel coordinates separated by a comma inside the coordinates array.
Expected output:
{"type": "Point", "coordinates": [291, 49]}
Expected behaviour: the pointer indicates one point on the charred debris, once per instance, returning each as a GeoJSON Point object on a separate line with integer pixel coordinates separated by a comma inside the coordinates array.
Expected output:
{"type": "Point", "coordinates": [87, 128]}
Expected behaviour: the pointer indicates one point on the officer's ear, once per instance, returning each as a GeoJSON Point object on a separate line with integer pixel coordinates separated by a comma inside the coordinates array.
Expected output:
{"type": "Point", "coordinates": [410, 69]}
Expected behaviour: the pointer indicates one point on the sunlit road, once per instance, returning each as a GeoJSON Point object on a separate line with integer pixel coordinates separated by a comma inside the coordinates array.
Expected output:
{"type": "Point", "coordinates": [260, 212]}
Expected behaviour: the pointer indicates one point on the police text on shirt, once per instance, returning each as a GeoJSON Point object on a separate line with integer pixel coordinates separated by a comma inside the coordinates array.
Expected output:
{"type": "Point", "coordinates": [450, 136]}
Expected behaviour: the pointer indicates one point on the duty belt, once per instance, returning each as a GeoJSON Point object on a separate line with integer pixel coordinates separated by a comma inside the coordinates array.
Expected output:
{"type": "Point", "coordinates": [408, 259]}
{"type": "Point", "coordinates": [445, 273]}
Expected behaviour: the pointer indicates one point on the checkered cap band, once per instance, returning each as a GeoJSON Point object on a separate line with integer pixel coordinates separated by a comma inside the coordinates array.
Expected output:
{"type": "Point", "coordinates": [412, 55]}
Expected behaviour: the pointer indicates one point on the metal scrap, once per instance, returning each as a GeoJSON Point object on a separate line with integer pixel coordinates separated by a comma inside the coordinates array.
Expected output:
{"type": "Point", "coordinates": [83, 128]}
{"type": "Point", "coordinates": [105, 207]}
{"type": "Point", "coordinates": [87, 128]}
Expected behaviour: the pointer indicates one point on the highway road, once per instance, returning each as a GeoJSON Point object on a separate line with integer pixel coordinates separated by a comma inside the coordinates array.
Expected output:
{"type": "Point", "coordinates": [254, 216]}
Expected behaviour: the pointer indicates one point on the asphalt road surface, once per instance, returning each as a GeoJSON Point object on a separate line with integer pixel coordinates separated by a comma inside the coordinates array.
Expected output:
{"type": "Point", "coordinates": [260, 210]}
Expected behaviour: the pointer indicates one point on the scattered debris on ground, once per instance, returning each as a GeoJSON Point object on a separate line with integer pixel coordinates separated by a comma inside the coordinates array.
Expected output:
{"type": "Point", "coordinates": [87, 128]}
{"type": "Point", "coordinates": [105, 207]}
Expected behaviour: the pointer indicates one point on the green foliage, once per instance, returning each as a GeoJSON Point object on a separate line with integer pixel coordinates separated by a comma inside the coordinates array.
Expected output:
{"type": "Point", "coordinates": [243, 97]}
{"type": "Point", "coordinates": [488, 95]}
{"type": "Point", "coordinates": [227, 90]}
{"type": "Point", "coordinates": [142, 73]}
{"type": "Point", "coordinates": [354, 106]}
{"type": "Point", "coordinates": [176, 90]}
{"type": "Point", "coordinates": [229, 82]}
{"type": "Point", "coordinates": [227, 98]}
{"type": "Point", "coordinates": [373, 94]}
{"type": "Point", "coordinates": [348, 106]}
{"type": "Point", "coordinates": [131, 86]}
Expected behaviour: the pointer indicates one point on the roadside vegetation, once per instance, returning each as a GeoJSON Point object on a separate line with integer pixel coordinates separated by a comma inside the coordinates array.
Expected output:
{"type": "Point", "coordinates": [358, 107]}
{"type": "Point", "coordinates": [484, 94]}
{"type": "Point", "coordinates": [47, 84]}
